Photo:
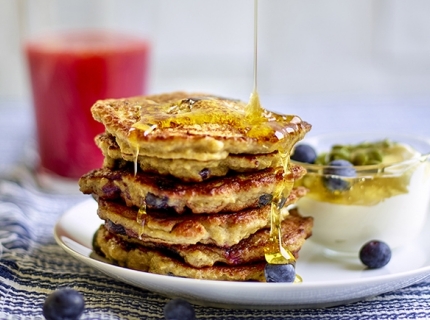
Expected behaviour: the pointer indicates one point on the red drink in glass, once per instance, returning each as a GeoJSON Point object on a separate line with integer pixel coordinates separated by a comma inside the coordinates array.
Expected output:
{"type": "Point", "coordinates": [69, 72]}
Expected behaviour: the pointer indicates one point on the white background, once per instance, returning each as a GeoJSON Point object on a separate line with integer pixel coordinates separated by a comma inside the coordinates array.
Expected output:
{"type": "Point", "coordinates": [306, 47]}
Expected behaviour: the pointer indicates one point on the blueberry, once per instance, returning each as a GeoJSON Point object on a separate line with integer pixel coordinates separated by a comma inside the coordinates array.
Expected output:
{"type": "Point", "coordinates": [179, 309]}
{"type": "Point", "coordinates": [375, 254]}
{"type": "Point", "coordinates": [280, 272]}
{"type": "Point", "coordinates": [205, 174]}
{"type": "Point", "coordinates": [155, 202]}
{"type": "Point", "coordinates": [115, 228]}
{"type": "Point", "coordinates": [63, 304]}
{"type": "Point", "coordinates": [340, 167]}
{"type": "Point", "coordinates": [264, 199]}
{"type": "Point", "coordinates": [335, 170]}
{"type": "Point", "coordinates": [304, 153]}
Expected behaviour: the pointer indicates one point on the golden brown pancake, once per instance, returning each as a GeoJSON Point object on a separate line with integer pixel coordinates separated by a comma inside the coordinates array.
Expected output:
{"type": "Point", "coordinates": [175, 136]}
{"type": "Point", "coordinates": [185, 169]}
{"type": "Point", "coordinates": [133, 256]}
{"type": "Point", "coordinates": [295, 230]}
{"type": "Point", "coordinates": [232, 193]}
{"type": "Point", "coordinates": [222, 229]}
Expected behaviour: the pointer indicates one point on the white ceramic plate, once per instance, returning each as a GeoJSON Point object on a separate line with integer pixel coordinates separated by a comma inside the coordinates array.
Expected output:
{"type": "Point", "coordinates": [327, 281]}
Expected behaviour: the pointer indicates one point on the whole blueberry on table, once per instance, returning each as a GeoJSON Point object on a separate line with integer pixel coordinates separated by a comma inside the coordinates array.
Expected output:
{"type": "Point", "coordinates": [333, 173]}
{"type": "Point", "coordinates": [280, 272]}
{"type": "Point", "coordinates": [375, 254]}
{"type": "Point", "coordinates": [64, 304]}
{"type": "Point", "coordinates": [304, 153]}
{"type": "Point", "coordinates": [179, 309]}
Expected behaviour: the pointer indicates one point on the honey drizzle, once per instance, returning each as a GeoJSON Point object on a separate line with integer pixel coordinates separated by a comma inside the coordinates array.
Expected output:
{"type": "Point", "coordinates": [255, 122]}
{"type": "Point", "coordinates": [275, 253]}
{"type": "Point", "coordinates": [140, 218]}
{"type": "Point", "coordinates": [134, 142]}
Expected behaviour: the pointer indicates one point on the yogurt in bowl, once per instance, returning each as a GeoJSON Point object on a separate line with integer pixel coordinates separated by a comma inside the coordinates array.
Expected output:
{"type": "Point", "coordinates": [377, 189]}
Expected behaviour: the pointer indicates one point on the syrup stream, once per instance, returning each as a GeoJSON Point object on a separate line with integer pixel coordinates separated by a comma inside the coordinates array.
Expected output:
{"type": "Point", "coordinates": [255, 44]}
{"type": "Point", "coordinates": [275, 253]}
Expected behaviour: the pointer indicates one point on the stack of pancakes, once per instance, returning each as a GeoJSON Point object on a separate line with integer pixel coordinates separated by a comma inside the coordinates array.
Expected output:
{"type": "Point", "coordinates": [186, 190]}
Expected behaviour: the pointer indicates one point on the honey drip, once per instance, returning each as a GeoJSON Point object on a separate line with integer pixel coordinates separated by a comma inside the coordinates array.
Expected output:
{"type": "Point", "coordinates": [133, 140]}
{"type": "Point", "coordinates": [275, 253]}
{"type": "Point", "coordinates": [140, 218]}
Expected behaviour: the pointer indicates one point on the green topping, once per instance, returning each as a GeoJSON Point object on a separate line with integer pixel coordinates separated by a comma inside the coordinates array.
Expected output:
{"type": "Point", "coordinates": [371, 185]}
{"type": "Point", "coordinates": [365, 153]}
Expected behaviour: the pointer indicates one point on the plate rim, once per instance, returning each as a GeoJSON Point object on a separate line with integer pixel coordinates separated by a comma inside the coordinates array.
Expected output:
{"type": "Point", "coordinates": [415, 275]}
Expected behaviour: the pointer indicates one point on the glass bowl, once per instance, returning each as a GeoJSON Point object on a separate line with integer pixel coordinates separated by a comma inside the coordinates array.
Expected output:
{"type": "Point", "coordinates": [387, 201]}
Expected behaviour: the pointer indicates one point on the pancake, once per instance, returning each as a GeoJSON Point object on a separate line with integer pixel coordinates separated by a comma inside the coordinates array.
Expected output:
{"type": "Point", "coordinates": [223, 229]}
{"type": "Point", "coordinates": [232, 193]}
{"type": "Point", "coordinates": [189, 184]}
{"type": "Point", "coordinates": [295, 230]}
{"type": "Point", "coordinates": [133, 256]}
{"type": "Point", "coordinates": [162, 126]}
{"type": "Point", "coordinates": [185, 169]}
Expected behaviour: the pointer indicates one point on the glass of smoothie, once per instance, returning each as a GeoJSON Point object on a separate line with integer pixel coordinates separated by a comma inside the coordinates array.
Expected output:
{"type": "Point", "coordinates": [366, 186]}
{"type": "Point", "coordinates": [69, 72]}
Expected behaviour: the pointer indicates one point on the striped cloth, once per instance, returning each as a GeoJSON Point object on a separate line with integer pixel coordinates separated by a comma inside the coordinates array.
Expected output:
{"type": "Point", "coordinates": [32, 265]}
